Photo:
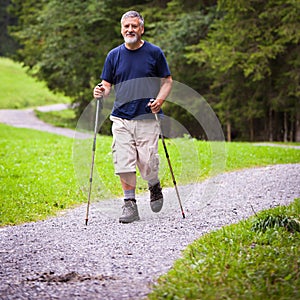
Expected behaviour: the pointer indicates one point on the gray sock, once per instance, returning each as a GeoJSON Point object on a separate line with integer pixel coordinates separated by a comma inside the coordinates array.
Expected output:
{"type": "Point", "coordinates": [129, 194]}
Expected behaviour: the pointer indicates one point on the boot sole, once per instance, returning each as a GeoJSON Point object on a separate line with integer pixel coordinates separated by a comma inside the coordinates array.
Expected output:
{"type": "Point", "coordinates": [129, 221]}
{"type": "Point", "coordinates": [156, 205]}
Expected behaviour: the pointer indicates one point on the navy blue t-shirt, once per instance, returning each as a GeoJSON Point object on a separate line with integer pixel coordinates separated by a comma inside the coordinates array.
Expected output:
{"type": "Point", "coordinates": [136, 76]}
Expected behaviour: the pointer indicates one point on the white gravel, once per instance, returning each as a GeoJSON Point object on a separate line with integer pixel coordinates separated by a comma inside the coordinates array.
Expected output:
{"type": "Point", "coordinates": [109, 260]}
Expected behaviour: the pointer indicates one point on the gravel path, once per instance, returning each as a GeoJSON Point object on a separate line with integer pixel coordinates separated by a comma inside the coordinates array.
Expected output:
{"type": "Point", "coordinates": [26, 119]}
{"type": "Point", "coordinates": [61, 258]}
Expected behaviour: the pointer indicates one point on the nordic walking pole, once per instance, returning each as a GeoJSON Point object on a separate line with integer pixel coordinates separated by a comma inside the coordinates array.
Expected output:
{"type": "Point", "coordinates": [98, 105]}
{"type": "Point", "coordinates": [169, 163]}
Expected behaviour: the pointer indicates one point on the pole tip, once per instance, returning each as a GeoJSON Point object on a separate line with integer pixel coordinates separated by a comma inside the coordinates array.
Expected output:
{"type": "Point", "coordinates": [183, 215]}
{"type": "Point", "coordinates": [86, 222]}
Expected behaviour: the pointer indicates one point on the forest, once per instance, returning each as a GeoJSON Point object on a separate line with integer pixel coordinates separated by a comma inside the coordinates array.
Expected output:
{"type": "Point", "coordinates": [242, 56]}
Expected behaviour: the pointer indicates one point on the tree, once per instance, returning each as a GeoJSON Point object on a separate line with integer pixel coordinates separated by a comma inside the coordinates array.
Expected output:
{"type": "Point", "coordinates": [244, 49]}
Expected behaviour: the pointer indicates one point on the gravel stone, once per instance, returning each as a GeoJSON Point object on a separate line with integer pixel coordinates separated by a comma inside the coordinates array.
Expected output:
{"type": "Point", "coordinates": [61, 258]}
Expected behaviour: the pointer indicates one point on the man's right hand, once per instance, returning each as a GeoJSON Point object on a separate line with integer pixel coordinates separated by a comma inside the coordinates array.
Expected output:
{"type": "Point", "coordinates": [99, 91]}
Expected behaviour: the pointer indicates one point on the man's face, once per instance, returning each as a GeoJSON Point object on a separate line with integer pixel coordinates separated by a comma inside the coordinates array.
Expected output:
{"type": "Point", "coordinates": [131, 30]}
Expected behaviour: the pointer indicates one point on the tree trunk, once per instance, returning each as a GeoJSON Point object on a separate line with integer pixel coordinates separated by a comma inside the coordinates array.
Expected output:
{"type": "Point", "coordinates": [228, 126]}
{"type": "Point", "coordinates": [271, 125]}
{"type": "Point", "coordinates": [285, 127]}
{"type": "Point", "coordinates": [297, 127]}
{"type": "Point", "coordinates": [266, 129]}
{"type": "Point", "coordinates": [291, 133]}
{"type": "Point", "coordinates": [251, 130]}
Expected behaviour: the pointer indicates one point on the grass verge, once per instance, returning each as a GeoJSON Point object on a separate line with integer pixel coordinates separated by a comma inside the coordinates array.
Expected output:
{"type": "Point", "coordinates": [196, 160]}
{"type": "Point", "coordinates": [64, 118]}
{"type": "Point", "coordinates": [240, 261]}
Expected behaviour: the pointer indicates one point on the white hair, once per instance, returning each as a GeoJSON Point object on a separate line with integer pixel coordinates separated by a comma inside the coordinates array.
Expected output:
{"type": "Point", "coordinates": [133, 14]}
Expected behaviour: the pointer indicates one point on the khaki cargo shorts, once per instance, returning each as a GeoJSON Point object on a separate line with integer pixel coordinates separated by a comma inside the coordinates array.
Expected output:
{"type": "Point", "coordinates": [135, 144]}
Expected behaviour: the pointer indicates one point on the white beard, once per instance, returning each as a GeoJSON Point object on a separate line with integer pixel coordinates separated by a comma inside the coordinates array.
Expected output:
{"type": "Point", "coordinates": [130, 40]}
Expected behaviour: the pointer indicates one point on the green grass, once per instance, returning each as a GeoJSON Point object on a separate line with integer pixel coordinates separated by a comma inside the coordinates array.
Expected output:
{"type": "Point", "coordinates": [36, 173]}
{"type": "Point", "coordinates": [245, 155]}
{"type": "Point", "coordinates": [282, 143]}
{"type": "Point", "coordinates": [64, 118]}
{"type": "Point", "coordinates": [19, 90]}
{"type": "Point", "coordinates": [238, 262]}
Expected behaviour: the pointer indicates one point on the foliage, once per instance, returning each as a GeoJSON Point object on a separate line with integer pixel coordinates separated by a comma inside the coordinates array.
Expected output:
{"type": "Point", "coordinates": [183, 23]}
{"type": "Point", "coordinates": [237, 263]}
{"type": "Point", "coordinates": [275, 221]}
{"type": "Point", "coordinates": [252, 52]}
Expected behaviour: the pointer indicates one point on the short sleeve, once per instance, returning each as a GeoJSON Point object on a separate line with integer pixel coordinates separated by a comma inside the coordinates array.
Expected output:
{"type": "Point", "coordinates": [162, 65]}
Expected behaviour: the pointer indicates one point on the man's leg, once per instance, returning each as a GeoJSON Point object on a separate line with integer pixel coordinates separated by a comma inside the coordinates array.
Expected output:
{"type": "Point", "coordinates": [130, 210]}
{"type": "Point", "coordinates": [124, 158]}
{"type": "Point", "coordinates": [148, 160]}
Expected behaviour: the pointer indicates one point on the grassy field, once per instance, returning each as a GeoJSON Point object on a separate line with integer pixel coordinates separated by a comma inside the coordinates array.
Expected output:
{"type": "Point", "coordinates": [19, 90]}
{"type": "Point", "coordinates": [37, 177]}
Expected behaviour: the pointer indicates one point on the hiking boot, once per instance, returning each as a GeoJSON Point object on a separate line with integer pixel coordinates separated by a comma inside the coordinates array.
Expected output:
{"type": "Point", "coordinates": [130, 212]}
{"type": "Point", "coordinates": [156, 198]}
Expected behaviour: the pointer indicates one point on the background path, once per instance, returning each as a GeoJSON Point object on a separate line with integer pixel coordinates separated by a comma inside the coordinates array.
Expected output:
{"type": "Point", "coordinates": [27, 119]}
